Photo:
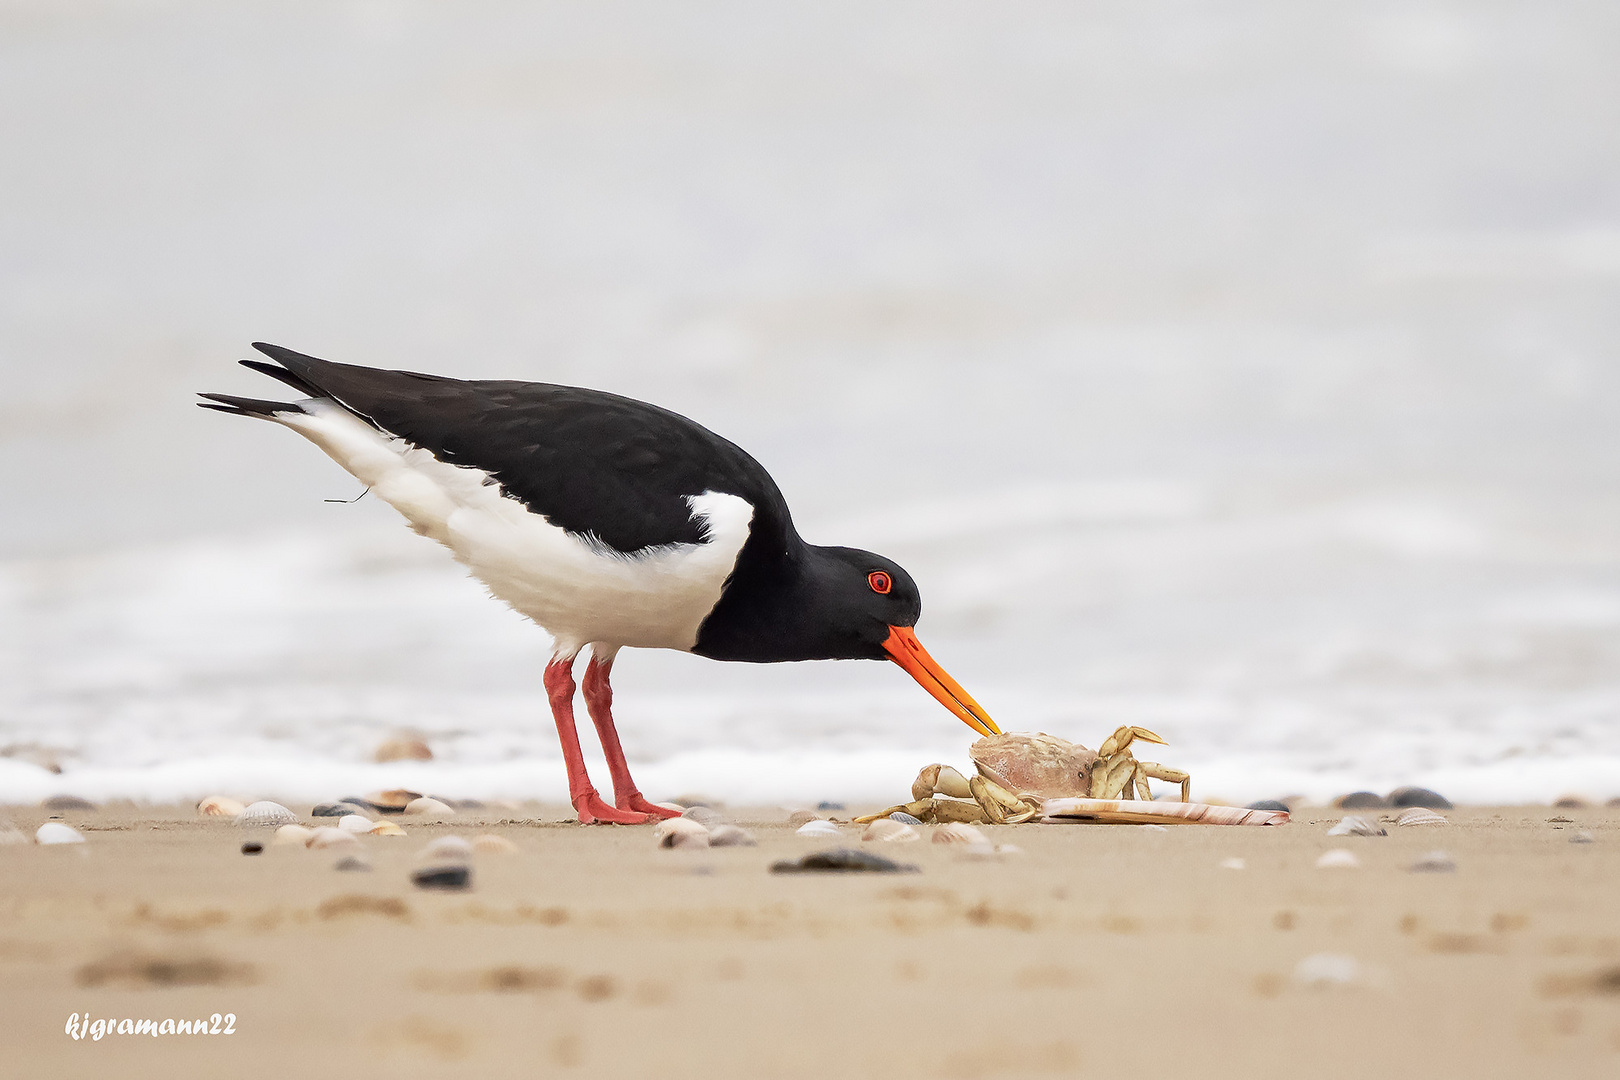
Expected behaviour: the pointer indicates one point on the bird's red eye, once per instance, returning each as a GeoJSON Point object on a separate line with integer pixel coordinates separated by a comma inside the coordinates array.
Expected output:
{"type": "Point", "coordinates": [879, 581]}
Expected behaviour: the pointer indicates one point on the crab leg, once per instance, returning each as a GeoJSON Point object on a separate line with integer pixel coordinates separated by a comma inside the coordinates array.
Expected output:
{"type": "Point", "coordinates": [940, 780]}
{"type": "Point", "coordinates": [1163, 772]}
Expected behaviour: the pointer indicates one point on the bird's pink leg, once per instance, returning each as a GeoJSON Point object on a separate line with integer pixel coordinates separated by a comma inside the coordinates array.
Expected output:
{"type": "Point", "coordinates": [589, 805]}
{"type": "Point", "coordinates": [599, 703]}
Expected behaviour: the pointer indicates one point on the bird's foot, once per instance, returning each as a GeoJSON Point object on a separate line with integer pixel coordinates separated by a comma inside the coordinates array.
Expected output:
{"type": "Point", "coordinates": [593, 811]}
{"type": "Point", "coordinates": [638, 803]}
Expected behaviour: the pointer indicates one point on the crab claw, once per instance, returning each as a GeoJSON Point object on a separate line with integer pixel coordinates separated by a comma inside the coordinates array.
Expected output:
{"type": "Point", "coordinates": [940, 780]}
{"type": "Point", "coordinates": [1123, 737]}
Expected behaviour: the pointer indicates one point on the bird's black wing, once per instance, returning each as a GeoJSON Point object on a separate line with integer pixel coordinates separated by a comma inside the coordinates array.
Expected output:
{"type": "Point", "coordinates": [592, 463]}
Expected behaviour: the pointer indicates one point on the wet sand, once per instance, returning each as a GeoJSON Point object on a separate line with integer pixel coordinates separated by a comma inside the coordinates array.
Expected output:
{"type": "Point", "coordinates": [1098, 950]}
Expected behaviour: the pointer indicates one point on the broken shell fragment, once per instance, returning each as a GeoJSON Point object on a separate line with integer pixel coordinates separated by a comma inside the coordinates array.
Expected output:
{"type": "Point", "coordinates": [886, 831]}
{"type": "Point", "coordinates": [1356, 826]}
{"type": "Point", "coordinates": [54, 832]}
{"type": "Point", "coordinates": [385, 828]}
{"type": "Point", "coordinates": [392, 801]}
{"type": "Point", "coordinates": [292, 834]}
{"type": "Point", "coordinates": [816, 829]}
{"type": "Point", "coordinates": [1420, 816]}
{"type": "Point", "coordinates": [1338, 859]}
{"type": "Point", "coordinates": [429, 808]}
{"type": "Point", "coordinates": [354, 823]}
{"type": "Point", "coordinates": [219, 806]}
{"type": "Point", "coordinates": [730, 836]}
{"type": "Point", "coordinates": [490, 844]}
{"type": "Point", "coordinates": [955, 832]}
{"type": "Point", "coordinates": [329, 837]}
{"type": "Point", "coordinates": [681, 832]}
{"type": "Point", "coordinates": [265, 815]}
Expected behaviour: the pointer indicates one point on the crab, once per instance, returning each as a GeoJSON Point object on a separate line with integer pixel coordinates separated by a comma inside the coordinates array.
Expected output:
{"type": "Point", "coordinates": [1018, 772]}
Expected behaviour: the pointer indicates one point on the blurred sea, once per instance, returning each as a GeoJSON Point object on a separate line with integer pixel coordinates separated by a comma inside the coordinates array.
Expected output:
{"type": "Point", "coordinates": [1246, 371]}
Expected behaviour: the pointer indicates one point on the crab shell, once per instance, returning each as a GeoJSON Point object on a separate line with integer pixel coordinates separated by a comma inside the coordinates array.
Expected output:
{"type": "Point", "coordinates": [1038, 763]}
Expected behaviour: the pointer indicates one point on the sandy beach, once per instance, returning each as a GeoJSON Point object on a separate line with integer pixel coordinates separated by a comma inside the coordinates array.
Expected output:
{"type": "Point", "coordinates": [1096, 949]}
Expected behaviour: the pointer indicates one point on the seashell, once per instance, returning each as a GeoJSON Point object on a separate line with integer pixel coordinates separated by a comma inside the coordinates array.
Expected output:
{"type": "Point", "coordinates": [1355, 826]}
{"type": "Point", "coordinates": [219, 806]}
{"type": "Point", "coordinates": [801, 817]}
{"type": "Point", "coordinates": [1234, 863]}
{"type": "Point", "coordinates": [447, 849]}
{"type": "Point", "coordinates": [1420, 816]}
{"type": "Point", "coordinates": [958, 833]}
{"type": "Point", "coordinates": [292, 834]}
{"type": "Point", "coordinates": [389, 802]}
{"type": "Point", "coordinates": [385, 828]}
{"type": "Point", "coordinates": [1326, 970]}
{"type": "Point", "coordinates": [67, 802]}
{"type": "Point", "coordinates": [10, 834]}
{"type": "Point", "coordinates": [1361, 800]}
{"type": "Point", "coordinates": [265, 815]}
{"type": "Point", "coordinates": [1152, 827]}
{"type": "Point", "coordinates": [1338, 859]}
{"type": "Point", "coordinates": [445, 878]}
{"type": "Point", "coordinates": [403, 748]}
{"type": "Point", "coordinates": [54, 832]}
{"type": "Point", "coordinates": [890, 832]}
{"type": "Point", "coordinates": [730, 836]}
{"type": "Point", "coordinates": [703, 815]}
{"type": "Point", "coordinates": [327, 837]}
{"type": "Point", "coordinates": [1417, 796]}
{"type": "Point", "coordinates": [1582, 838]}
{"type": "Point", "coordinates": [904, 818]}
{"type": "Point", "coordinates": [341, 809]}
{"type": "Point", "coordinates": [490, 844]}
{"type": "Point", "coordinates": [355, 823]}
{"type": "Point", "coordinates": [252, 847]}
{"type": "Point", "coordinates": [817, 828]}
{"type": "Point", "coordinates": [1563, 802]}
{"type": "Point", "coordinates": [680, 832]}
{"type": "Point", "coordinates": [1435, 862]}
{"type": "Point", "coordinates": [1269, 804]}
{"type": "Point", "coordinates": [351, 862]}
{"type": "Point", "coordinates": [675, 806]}
{"type": "Point", "coordinates": [425, 807]}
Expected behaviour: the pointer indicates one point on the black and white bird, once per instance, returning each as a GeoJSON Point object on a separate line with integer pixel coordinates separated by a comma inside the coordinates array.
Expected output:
{"type": "Point", "coordinates": [610, 523]}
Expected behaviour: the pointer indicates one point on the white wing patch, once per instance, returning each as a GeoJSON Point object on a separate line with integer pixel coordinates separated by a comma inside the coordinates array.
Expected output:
{"type": "Point", "coordinates": [580, 590]}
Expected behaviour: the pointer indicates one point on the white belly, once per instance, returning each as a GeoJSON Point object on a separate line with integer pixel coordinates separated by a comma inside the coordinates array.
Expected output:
{"type": "Point", "coordinates": [581, 591]}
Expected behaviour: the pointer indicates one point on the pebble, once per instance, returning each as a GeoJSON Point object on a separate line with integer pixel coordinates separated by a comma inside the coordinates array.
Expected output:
{"type": "Point", "coordinates": [817, 828]}
{"type": "Point", "coordinates": [827, 804]}
{"type": "Point", "coordinates": [425, 807]}
{"type": "Point", "coordinates": [490, 844]}
{"type": "Point", "coordinates": [54, 832]}
{"type": "Point", "coordinates": [446, 878]}
{"type": "Point", "coordinates": [340, 809]}
{"type": "Point", "coordinates": [355, 823]}
{"type": "Point", "coordinates": [1361, 800]}
{"type": "Point", "coordinates": [1234, 863]}
{"type": "Point", "coordinates": [703, 815]}
{"type": "Point", "coordinates": [1270, 804]}
{"type": "Point", "coordinates": [252, 847]}
{"type": "Point", "coordinates": [351, 862]}
{"type": "Point", "coordinates": [1435, 862]}
{"type": "Point", "coordinates": [219, 806]}
{"type": "Point", "coordinates": [886, 831]}
{"type": "Point", "coordinates": [1417, 796]}
{"type": "Point", "coordinates": [67, 802]}
{"type": "Point", "coordinates": [1357, 826]}
{"type": "Point", "coordinates": [1338, 859]}
{"type": "Point", "coordinates": [1567, 802]}
{"type": "Point", "coordinates": [265, 815]}
{"type": "Point", "coordinates": [1321, 971]}
{"type": "Point", "coordinates": [730, 836]}
{"type": "Point", "coordinates": [841, 861]}
{"type": "Point", "coordinates": [904, 818]}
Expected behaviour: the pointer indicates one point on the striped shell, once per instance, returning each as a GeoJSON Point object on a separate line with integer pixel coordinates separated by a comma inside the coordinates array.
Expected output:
{"type": "Point", "coordinates": [1420, 816]}
{"type": "Point", "coordinates": [1140, 812]}
{"type": "Point", "coordinates": [265, 815]}
{"type": "Point", "coordinates": [681, 832]}
{"type": "Point", "coordinates": [958, 833]}
{"type": "Point", "coordinates": [817, 828]}
{"type": "Point", "coordinates": [54, 832]}
{"type": "Point", "coordinates": [219, 806]}
{"type": "Point", "coordinates": [292, 834]}
{"type": "Point", "coordinates": [890, 832]}
{"type": "Point", "coordinates": [801, 817]}
{"type": "Point", "coordinates": [329, 837]}
{"type": "Point", "coordinates": [490, 844]}
{"type": "Point", "coordinates": [429, 808]}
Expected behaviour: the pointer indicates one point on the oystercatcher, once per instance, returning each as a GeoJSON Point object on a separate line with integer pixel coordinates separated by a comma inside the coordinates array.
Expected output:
{"type": "Point", "coordinates": [610, 523]}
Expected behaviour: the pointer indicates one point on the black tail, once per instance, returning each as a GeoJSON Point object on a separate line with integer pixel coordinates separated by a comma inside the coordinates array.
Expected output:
{"type": "Point", "coordinates": [246, 406]}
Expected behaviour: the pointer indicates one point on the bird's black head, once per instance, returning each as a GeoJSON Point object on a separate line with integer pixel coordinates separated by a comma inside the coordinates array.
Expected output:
{"type": "Point", "coordinates": [854, 601]}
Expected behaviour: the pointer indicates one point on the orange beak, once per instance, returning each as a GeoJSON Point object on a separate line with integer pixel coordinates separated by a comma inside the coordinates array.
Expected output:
{"type": "Point", "coordinates": [904, 649]}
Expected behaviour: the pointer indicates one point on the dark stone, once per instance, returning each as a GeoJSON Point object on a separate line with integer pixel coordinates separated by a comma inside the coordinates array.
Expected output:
{"type": "Point", "coordinates": [828, 805]}
{"type": "Point", "coordinates": [1361, 800]}
{"type": "Point", "coordinates": [1419, 796]}
{"type": "Point", "coordinates": [351, 862]}
{"type": "Point", "coordinates": [252, 848]}
{"type": "Point", "coordinates": [842, 861]}
{"type": "Point", "coordinates": [1270, 804]}
{"type": "Point", "coordinates": [448, 878]}
{"type": "Point", "coordinates": [341, 809]}
{"type": "Point", "coordinates": [67, 802]}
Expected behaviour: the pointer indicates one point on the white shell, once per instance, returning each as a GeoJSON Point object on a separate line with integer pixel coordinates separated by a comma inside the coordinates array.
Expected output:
{"type": "Point", "coordinates": [890, 832]}
{"type": "Point", "coordinates": [1420, 816]}
{"type": "Point", "coordinates": [355, 823]}
{"type": "Point", "coordinates": [817, 828]}
{"type": "Point", "coordinates": [266, 814]}
{"type": "Point", "coordinates": [1325, 970]}
{"type": "Point", "coordinates": [385, 828]}
{"type": "Point", "coordinates": [1234, 863]}
{"type": "Point", "coordinates": [448, 849]}
{"type": "Point", "coordinates": [680, 832]}
{"type": "Point", "coordinates": [219, 806]}
{"type": "Point", "coordinates": [730, 836]}
{"type": "Point", "coordinates": [327, 837]}
{"type": "Point", "coordinates": [1356, 826]}
{"type": "Point", "coordinates": [292, 834]}
{"type": "Point", "coordinates": [958, 833]}
{"type": "Point", "coordinates": [430, 807]}
{"type": "Point", "coordinates": [490, 844]}
{"type": "Point", "coordinates": [54, 832]}
{"type": "Point", "coordinates": [1338, 859]}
